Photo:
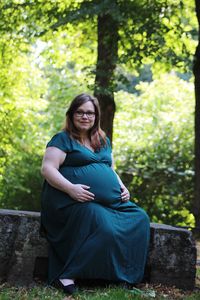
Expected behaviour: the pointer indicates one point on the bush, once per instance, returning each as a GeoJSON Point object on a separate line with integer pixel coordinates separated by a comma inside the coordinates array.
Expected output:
{"type": "Point", "coordinates": [153, 147]}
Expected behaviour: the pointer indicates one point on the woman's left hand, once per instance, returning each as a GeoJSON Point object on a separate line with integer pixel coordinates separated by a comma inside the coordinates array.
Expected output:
{"type": "Point", "coordinates": [125, 194]}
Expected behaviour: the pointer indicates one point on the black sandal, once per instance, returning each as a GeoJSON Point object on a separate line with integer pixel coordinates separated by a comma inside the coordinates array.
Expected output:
{"type": "Point", "coordinates": [67, 289]}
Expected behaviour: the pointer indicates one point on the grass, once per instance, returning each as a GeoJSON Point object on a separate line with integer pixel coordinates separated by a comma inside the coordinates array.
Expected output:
{"type": "Point", "coordinates": [111, 292]}
{"type": "Point", "coordinates": [44, 293]}
{"type": "Point", "coordinates": [40, 292]}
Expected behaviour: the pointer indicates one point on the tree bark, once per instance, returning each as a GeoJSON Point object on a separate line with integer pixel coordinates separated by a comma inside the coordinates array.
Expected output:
{"type": "Point", "coordinates": [196, 71]}
{"type": "Point", "coordinates": [106, 63]}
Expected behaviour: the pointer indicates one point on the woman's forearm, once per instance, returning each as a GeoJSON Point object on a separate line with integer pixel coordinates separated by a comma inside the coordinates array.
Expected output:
{"type": "Point", "coordinates": [55, 178]}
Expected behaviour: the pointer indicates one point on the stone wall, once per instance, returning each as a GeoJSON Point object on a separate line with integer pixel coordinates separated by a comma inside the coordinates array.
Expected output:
{"type": "Point", "coordinates": [23, 253]}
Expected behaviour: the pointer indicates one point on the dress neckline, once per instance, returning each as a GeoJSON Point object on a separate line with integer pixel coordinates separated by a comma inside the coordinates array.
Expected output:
{"type": "Point", "coordinates": [93, 151]}
{"type": "Point", "coordinates": [85, 147]}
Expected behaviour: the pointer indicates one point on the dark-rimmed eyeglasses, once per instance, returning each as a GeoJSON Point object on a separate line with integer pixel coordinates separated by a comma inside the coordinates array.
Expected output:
{"type": "Point", "coordinates": [89, 114]}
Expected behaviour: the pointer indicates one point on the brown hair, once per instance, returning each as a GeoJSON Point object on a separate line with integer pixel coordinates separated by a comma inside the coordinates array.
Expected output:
{"type": "Point", "coordinates": [96, 134]}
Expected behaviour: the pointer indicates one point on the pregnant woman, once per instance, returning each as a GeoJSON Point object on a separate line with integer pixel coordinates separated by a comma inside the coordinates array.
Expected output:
{"type": "Point", "coordinates": [93, 230]}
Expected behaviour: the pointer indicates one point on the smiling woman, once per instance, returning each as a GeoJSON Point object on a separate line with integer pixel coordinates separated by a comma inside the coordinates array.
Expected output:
{"type": "Point", "coordinates": [94, 231]}
{"type": "Point", "coordinates": [84, 118]}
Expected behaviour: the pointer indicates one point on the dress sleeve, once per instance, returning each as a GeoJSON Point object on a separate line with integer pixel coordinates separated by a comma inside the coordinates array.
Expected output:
{"type": "Point", "coordinates": [61, 141]}
{"type": "Point", "coordinates": [108, 143]}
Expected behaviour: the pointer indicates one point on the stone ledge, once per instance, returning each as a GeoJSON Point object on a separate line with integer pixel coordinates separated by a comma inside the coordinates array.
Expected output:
{"type": "Point", "coordinates": [23, 253]}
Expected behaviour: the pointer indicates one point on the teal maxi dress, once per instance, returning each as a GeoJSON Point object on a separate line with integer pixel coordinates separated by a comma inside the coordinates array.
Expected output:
{"type": "Point", "coordinates": [101, 239]}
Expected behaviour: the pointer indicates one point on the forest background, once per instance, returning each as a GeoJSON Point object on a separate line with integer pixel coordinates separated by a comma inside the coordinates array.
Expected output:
{"type": "Point", "coordinates": [137, 58]}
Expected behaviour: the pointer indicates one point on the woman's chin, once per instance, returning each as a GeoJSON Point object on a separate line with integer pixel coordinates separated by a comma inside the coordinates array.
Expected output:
{"type": "Point", "coordinates": [84, 128]}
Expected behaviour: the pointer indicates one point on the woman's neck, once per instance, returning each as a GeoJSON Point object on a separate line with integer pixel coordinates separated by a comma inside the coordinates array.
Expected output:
{"type": "Point", "coordinates": [84, 135]}
{"type": "Point", "coordinates": [85, 141]}
{"type": "Point", "coordinates": [84, 138]}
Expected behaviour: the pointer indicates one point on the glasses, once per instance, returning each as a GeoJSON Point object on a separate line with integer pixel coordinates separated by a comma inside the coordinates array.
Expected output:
{"type": "Point", "coordinates": [89, 114]}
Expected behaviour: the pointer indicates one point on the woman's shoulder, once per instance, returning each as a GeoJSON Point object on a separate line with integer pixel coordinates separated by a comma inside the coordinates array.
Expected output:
{"type": "Point", "coordinates": [62, 135]}
{"type": "Point", "coordinates": [60, 140]}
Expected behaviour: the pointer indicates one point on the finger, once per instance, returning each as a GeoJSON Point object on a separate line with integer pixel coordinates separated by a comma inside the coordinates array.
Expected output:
{"type": "Point", "coordinates": [125, 199]}
{"type": "Point", "coordinates": [86, 197]}
{"type": "Point", "coordinates": [124, 193]}
{"type": "Point", "coordinates": [89, 194]}
{"type": "Point", "coordinates": [86, 187]}
{"type": "Point", "coordinates": [85, 200]}
{"type": "Point", "coordinates": [79, 200]}
{"type": "Point", "coordinates": [126, 196]}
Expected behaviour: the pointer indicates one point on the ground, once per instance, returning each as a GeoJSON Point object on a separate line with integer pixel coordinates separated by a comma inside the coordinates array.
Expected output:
{"type": "Point", "coordinates": [143, 291]}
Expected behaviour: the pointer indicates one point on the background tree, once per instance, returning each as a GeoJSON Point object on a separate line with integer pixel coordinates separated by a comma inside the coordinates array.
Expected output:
{"type": "Point", "coordinates": [106, 64]}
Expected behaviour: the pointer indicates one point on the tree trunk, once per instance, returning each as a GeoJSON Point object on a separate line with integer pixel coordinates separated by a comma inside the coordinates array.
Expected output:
{"type": "Point", "coordinates": [106, 64]}
{"type": "Point", "coordinates": [196, 70]}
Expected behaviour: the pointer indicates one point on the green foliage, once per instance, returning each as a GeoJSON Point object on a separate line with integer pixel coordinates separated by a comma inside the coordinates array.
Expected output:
{"type": "Point", "coordinates": [48, 55]}
{"type": "Point", "coordinates": [36, 88]}
{"type": "Point", "coordinates": [150, 31]}
{"type": "Point", "coordinates": [66, 60]}
{"type": "Point", "coordinates": [21, 132]}
{"type": "Point", "coordinates": [153, 147]}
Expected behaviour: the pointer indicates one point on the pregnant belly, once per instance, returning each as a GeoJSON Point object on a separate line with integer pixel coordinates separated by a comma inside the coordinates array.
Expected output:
{"type": "Point", "coordinates": [101, 179]}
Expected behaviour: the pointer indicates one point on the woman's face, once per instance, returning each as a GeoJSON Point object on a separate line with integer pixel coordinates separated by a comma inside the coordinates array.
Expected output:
{"type": "Point", "coordinates": [84, 117]}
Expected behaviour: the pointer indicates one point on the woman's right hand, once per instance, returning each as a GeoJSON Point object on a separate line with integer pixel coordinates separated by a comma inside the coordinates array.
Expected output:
{"type": "Point", "coordinates": [79, 192]}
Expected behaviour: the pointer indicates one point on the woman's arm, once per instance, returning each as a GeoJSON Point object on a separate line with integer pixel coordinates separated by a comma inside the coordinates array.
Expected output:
{"type": "Point", "coordinates": [125, 193]}
{"type": "Point", "coordinates": [52, 160]}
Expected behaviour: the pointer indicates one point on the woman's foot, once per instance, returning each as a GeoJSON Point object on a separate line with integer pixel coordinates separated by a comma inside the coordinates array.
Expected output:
{"type": "Point", "coordinates": [67, 286]}
{"type": "Point", "coordinates": [69, 289]}
{"type": "Point", "coordinates": [67, 281]}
